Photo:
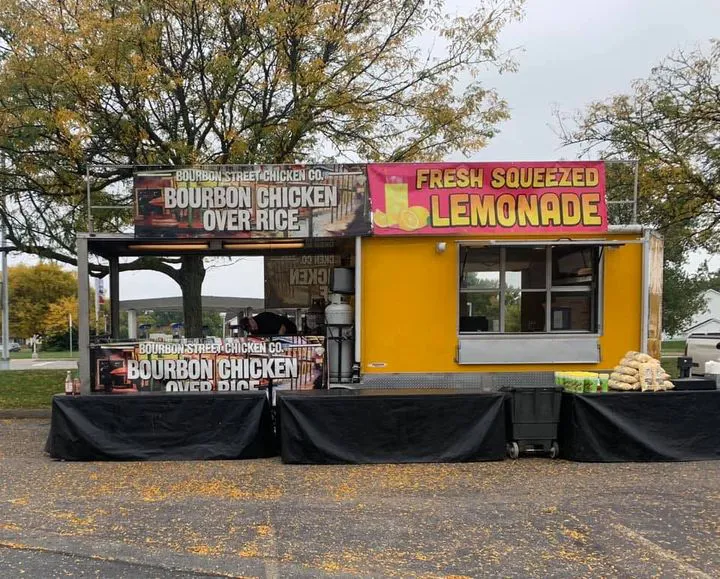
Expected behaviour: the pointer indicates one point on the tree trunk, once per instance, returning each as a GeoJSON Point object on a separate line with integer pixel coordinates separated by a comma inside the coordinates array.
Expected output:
{"type": "Point", "coordinates": [192, 274]}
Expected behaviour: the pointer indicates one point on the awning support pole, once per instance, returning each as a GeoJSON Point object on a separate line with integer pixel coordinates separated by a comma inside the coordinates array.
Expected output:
{"type": "Point", "coordinates": [114, 297]}
{"type": "Point", "coordinates": [83, 314]}
{"type": "Point", "coordinates": [358, 297]}
{"type": "Point", "coordinates": [645, 292]}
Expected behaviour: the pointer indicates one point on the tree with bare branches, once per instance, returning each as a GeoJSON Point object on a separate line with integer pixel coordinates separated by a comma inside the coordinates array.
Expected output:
{"type": "Point", "coordinates": [104, 85]}
{"type": "Point", "coordinates": [671, 125]}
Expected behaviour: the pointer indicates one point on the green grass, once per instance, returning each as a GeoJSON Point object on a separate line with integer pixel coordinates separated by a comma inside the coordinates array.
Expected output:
{"type": "Point", "coordinates": [27, 354]}
{"type": "Point", "coordinates": [676, 347]}
{"type": "Point", "coordinates": [670, 366]}
{"type": "Point", "coordinates": [30, 388]}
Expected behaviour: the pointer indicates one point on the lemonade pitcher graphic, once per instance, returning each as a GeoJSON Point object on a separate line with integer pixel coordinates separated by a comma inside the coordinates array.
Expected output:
{"type": "Point", "coordinates": [398, 212]}
{"type": "Point", "coordinates": [396, 199]}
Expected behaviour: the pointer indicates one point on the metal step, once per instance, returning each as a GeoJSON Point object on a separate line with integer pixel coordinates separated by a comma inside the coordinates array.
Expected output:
{"type": "Point", "coordinates": [489, 381]}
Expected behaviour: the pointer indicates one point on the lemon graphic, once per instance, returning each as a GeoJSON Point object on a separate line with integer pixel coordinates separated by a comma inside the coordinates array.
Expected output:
{"type": "Point", "coordinates": [422, 214]}
{"type": "Point", "coordinates": [392, 218]}
{"type": "Point", "coordinates": [380, 219]}
{"type": "Point", "coordinates": [409, 220]}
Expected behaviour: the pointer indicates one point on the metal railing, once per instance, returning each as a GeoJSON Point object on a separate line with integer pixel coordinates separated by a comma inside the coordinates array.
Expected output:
{"type": "Point", "coordinates": [622, 190]}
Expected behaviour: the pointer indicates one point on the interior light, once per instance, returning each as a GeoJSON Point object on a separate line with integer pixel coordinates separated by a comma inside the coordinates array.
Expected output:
{"type": "Point", "coordinates": [284, 245]}
{"type": "Point", "coordinates": [169, 246]}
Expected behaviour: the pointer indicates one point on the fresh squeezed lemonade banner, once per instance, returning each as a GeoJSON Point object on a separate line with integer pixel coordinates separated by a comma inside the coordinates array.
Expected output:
{"type": "Point", "coordinates": [493, 198]}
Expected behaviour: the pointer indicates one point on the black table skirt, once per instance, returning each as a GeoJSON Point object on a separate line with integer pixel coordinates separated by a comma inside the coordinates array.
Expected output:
{"type": "Point", "coordinates": [390, 426]}
{"type": "Point", "coordinates": [640, 426]}
{"type": "Point", "coordinates": [160, 426]}
{"type": "Point", "coordinates": [694, 383]}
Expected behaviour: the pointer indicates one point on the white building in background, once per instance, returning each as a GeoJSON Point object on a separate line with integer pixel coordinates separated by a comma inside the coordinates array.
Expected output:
{"type": "Point", "coordinates": [707, 321]}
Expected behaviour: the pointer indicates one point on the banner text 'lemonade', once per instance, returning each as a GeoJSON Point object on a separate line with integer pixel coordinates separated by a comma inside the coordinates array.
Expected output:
{"type": "Point", "coordinates": [515, 207]}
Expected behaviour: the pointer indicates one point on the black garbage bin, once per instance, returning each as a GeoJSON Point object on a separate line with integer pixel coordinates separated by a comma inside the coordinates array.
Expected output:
{"type": "Point", "coordinates": [533, 414]}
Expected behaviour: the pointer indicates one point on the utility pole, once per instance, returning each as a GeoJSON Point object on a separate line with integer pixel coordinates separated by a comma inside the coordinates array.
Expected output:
{"type": "Point", "coordinates": [5, 362]}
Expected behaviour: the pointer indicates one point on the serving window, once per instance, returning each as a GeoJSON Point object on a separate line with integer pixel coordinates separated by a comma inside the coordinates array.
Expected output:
{"type": "Point", "coordinates": [506, 290]}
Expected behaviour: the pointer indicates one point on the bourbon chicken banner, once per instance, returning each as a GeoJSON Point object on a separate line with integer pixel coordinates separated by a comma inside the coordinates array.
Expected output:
{"type": "Point", "coordinates": [283, 362]}
{"type": "Point", "coordinates": [257, 201]}
{"type": "Point", "coordinates": [492, 198]}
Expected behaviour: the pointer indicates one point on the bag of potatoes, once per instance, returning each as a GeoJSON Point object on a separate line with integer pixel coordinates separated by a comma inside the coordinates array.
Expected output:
{"type": "Point", "coordinates": [622, 386]}
{"type": "Point", "coordinates": [624, 378]}
{"type": "Point", "coordinates": [630, 363]}
{"type": "Point", "coordinates": [615, 385]}
{"type": "Point", "coordinates": [649, 377]}
{"type": "Point", "coordinates": [629, 371]}
{"type": "Point", "coordinates": [638, 357]}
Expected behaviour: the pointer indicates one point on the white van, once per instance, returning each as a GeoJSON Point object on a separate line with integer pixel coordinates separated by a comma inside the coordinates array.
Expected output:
{"type": "Point", "coordinates": [702, 348]}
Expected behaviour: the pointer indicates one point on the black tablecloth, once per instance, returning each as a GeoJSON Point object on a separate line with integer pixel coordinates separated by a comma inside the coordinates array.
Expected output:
{"type": "Point", "coordinates": [160, 426]}
{"type": "Point", "coordinates": [397, 425]}
{"type": "Point", "coordinates": [640, 426]}
{"type": "Point", "coordinates": [694, 383]}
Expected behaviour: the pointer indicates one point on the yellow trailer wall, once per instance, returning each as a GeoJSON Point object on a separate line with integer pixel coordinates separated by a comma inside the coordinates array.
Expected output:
{"type": "Point", "coordinates": [410, 297]}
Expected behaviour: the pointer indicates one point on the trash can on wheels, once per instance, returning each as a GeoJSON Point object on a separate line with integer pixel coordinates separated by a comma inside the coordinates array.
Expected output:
{"type": "Point", "coordinates": [533, 414]}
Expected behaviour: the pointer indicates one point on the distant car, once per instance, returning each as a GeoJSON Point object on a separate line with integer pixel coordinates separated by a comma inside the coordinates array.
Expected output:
{"type": "Point", "coordinates": [13, 347]}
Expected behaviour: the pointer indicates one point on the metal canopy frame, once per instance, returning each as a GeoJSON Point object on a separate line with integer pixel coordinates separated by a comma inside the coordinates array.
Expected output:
{"type": "Point", "coordinates": [116, 245]}
{"type": "Point", "coordinates": [113, 246]}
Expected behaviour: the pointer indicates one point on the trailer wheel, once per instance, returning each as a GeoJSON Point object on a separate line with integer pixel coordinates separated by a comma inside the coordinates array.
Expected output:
{"type": "Point", "coordinates": [554, 450]}
{"type": "Point", "coordinates": [513, 450]}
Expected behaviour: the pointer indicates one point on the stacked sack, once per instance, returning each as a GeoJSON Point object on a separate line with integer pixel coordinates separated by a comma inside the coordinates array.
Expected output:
{"type": "Point", "coordinates": [638, 371]}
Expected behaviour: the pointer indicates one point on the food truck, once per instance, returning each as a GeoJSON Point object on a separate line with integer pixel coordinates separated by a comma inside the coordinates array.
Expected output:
{"type": "Point", "coordinates": [430, 300]}
{"type": "Point", "coordinates": [398, 273]}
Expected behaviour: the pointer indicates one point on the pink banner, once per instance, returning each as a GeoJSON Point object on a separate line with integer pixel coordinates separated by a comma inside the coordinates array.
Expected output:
{"type": "Point", "coordinates": [488, 198]}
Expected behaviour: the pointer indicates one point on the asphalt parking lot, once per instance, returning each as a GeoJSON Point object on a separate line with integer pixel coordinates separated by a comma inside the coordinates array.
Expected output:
{"type": "Point", "coordinates": [260, 518]}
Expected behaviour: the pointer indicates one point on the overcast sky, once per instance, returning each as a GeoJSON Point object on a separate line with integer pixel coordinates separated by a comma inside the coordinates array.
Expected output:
{"type": "Point", "coordinates": [571, 53]}
{"type": "Point", "coordinates": [576, 51]}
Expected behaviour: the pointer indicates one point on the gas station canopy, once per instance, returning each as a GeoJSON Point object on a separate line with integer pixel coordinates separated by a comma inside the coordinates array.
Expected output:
{"type": "Point", "coordinates": [209, 304]}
